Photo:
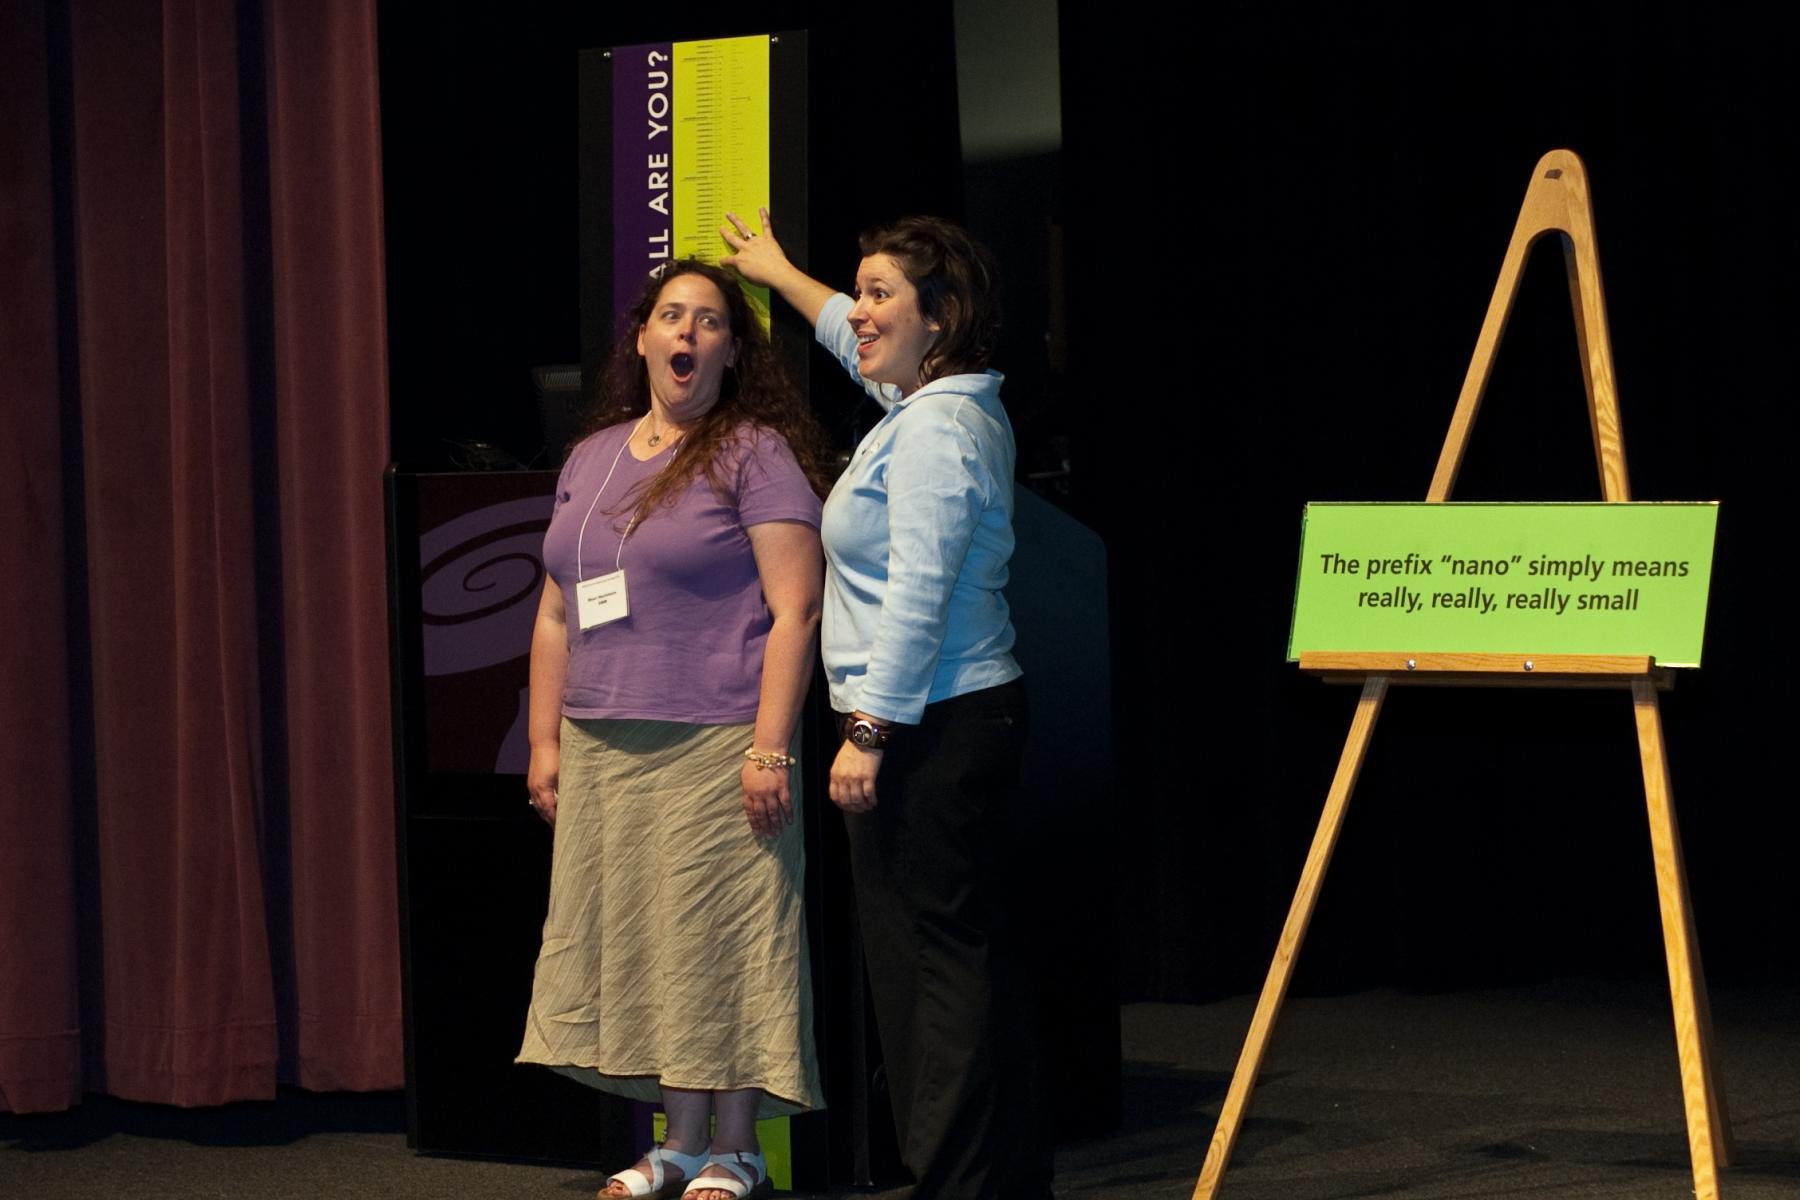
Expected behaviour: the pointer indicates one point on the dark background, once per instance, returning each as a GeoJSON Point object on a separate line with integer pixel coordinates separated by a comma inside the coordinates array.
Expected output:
{"type": "Point", "coordinates": [1274, 236]}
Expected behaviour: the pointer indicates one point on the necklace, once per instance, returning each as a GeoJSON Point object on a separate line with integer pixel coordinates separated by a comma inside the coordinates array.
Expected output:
{"type": "Point", "coordinates": [656, 435]}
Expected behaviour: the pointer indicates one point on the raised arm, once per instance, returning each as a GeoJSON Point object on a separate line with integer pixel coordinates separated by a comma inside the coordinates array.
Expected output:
{"type": "Point", "coordinates": [759, 258]}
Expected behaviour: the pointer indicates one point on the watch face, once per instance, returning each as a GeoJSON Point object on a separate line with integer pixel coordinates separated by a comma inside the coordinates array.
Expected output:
{"type": "Point", "coordinates": [865, 734]}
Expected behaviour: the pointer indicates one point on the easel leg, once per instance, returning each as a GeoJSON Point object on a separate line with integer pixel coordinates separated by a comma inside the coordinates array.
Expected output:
{"type": "Point", "coordinates": [1281, 970]}
{"type": "Point", "coordinates": [1709, 1133]}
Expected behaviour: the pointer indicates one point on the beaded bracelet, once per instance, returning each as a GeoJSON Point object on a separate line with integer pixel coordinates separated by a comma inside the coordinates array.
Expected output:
{"type": "Point", "coordinates": [770, 760]}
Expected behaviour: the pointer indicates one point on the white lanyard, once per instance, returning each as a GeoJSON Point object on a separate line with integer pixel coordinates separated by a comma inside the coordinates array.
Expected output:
{"type": "Point", "coordinates": [582, 532]}
{"type": "Point", "coordinates": [603, 599]}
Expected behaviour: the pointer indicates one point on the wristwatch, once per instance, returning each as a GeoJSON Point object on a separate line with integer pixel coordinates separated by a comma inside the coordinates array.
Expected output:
{"type": "Point", "coordinates": [861, 731]}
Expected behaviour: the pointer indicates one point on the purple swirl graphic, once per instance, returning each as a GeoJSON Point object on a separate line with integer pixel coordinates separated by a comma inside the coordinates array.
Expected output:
{"type": "Point", "coordinates": [480, 578]}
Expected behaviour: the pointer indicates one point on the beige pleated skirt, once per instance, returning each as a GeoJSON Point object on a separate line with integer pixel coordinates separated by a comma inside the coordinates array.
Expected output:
{"type": "Point", "coordinates": [675, 945]}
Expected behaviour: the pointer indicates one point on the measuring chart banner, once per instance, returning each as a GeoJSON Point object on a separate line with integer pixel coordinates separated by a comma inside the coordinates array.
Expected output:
{"type": "Point", "coordinates": [1505, 578]}
{"type": "Point", "coordinates": [690, 143]}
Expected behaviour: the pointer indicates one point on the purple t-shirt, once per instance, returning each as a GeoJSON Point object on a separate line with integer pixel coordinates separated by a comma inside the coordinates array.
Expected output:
{"type": "Point", "coordinates": [692, 648]}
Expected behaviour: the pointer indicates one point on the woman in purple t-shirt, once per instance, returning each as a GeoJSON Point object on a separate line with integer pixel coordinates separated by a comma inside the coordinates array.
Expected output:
{"type": "Point", "coordinates": [673, 649]}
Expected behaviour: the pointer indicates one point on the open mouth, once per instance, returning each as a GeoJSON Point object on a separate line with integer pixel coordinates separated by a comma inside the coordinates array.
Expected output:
{"type": "Point", "coordinates": [682, 365]}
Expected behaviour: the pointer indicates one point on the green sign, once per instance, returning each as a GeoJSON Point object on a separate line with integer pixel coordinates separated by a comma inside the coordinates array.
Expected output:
{"type": "Point", "coordinates": [1505, 578]}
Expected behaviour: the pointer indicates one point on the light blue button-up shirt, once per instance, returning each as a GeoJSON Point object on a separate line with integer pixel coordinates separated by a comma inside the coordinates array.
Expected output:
{"type": "Point", "coordinates": [917, 535]}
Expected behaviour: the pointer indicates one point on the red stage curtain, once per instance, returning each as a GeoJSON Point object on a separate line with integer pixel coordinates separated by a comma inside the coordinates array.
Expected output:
{"type": "Point", "coordinates": [197, 891]}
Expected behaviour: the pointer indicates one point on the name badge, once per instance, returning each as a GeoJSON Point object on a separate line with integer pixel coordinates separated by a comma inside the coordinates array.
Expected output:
{"type": "Point", "coordinates": [601, 600]}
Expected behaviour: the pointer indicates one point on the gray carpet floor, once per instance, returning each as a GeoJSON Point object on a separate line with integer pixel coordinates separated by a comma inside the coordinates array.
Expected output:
{"type": "Point", "coordinates": [1567, 1089]}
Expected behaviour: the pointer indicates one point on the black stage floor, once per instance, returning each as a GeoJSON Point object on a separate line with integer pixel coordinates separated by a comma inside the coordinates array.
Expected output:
{"type": "Point", "coordinates": [1567, 1089]}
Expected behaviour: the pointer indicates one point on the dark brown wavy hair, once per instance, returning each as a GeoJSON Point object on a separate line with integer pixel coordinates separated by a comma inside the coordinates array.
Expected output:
{"type": "Point", "coordinates": [755, 391]}
{"type": "Point", "coordinates": [959, 288]}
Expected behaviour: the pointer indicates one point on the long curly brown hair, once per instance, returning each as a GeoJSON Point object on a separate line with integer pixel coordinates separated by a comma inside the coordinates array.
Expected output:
{"type": "Point", "coordinates": [755, 391]}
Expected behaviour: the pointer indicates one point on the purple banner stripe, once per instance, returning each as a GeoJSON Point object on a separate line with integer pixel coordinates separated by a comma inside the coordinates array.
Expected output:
{"type": "Point", "coordinates": [643, 167]}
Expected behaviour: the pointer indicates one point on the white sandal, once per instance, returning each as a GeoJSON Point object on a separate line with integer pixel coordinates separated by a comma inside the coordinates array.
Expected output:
{"type": "Point", "coordinates": [657, 1185]}
{"type": "Point", "coordinates": [746, 1177]}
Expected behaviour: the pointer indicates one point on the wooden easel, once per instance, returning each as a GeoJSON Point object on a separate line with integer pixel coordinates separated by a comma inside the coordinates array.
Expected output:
{"type": "Point", "coordinates": [1555, 202]}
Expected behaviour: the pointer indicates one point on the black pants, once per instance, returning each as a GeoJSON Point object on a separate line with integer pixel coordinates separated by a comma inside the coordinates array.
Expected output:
{"type": "Point", "coordinates": [933, 865]}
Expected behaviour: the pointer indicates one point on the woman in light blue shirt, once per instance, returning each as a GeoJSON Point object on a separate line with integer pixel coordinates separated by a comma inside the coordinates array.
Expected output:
{"type": "Point", "coordinates": [917, 649]}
